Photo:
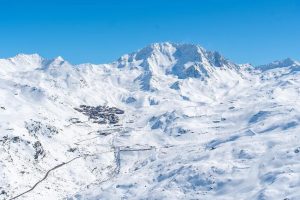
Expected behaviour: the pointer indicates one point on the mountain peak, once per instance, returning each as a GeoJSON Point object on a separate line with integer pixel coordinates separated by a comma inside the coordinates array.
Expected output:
{"type": "Point", "coordinates": [55, 61]}
{"type": "Point", "coordinates": [22, 62]}
{"type": "Point", "coordinates": [59, 58]}
{"type": "Point", "coordinates": [181, 60]}
{"type": "Point", "coordinates": [287, 62]}
{"type": "Point", "coordinates": [168, 48]}
{"type": "Point", "coordinates": [26, 58]}
{"type": "Point", "coordinates": [284, 63]}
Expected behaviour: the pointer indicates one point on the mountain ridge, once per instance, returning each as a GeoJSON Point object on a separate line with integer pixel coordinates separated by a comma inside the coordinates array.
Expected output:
{"type": "Point", "coordinates": [148, 51]}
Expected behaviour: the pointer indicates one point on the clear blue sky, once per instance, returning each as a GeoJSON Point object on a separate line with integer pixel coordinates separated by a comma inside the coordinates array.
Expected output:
{"type": "Point", "coordinates": [255, 31]}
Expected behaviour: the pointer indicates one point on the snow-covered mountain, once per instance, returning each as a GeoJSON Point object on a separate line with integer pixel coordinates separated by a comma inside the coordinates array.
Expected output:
{"type": "Point", "coordinates": [170, 121]}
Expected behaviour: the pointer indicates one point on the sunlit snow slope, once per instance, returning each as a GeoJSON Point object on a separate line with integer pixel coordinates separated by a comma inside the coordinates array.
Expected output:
{"type": "Point", "coordinates": [170, 121]}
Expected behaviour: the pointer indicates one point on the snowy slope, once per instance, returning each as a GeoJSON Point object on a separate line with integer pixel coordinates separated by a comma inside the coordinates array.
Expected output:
{"type": "Point", "coordinates": [170, 121]}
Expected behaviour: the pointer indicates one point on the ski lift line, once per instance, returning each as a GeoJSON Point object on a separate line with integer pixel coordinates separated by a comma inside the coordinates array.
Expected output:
{"type": "Point", "coordinates": [100, 135]}
{"type": "Point", "coordinates": [78, 143]}
{"type": "Point", "coordinates": [144, 149]}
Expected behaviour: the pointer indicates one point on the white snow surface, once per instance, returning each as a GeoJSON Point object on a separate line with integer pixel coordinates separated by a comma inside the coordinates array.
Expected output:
{"type": "Point", "coordinates": [196, 126]}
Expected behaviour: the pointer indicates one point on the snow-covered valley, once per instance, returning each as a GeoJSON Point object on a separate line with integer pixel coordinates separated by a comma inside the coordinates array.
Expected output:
{"type": "Point", "coordinates": [170, 121]}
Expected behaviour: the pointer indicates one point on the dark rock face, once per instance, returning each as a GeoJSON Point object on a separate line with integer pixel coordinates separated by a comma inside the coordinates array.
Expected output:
{"type": "Point", "coordinates": [101, 114]}
{"type": "Point", "coordinates": [39, 150]}
{"type": "Point", "coordinates": [130, 100]}
{"type": "Point", "coordinates": [37, 128]}
{"type": "Point", "coordinates": [4, 139]}
{"type": "Point", "coordinates": [15, 139]}
{"type": "Point", "coordinates": [3, 192]}
{"type": "Point", "coordinates": [175, 86]}
{"type": "Point", "coordinates": [72, 149]}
